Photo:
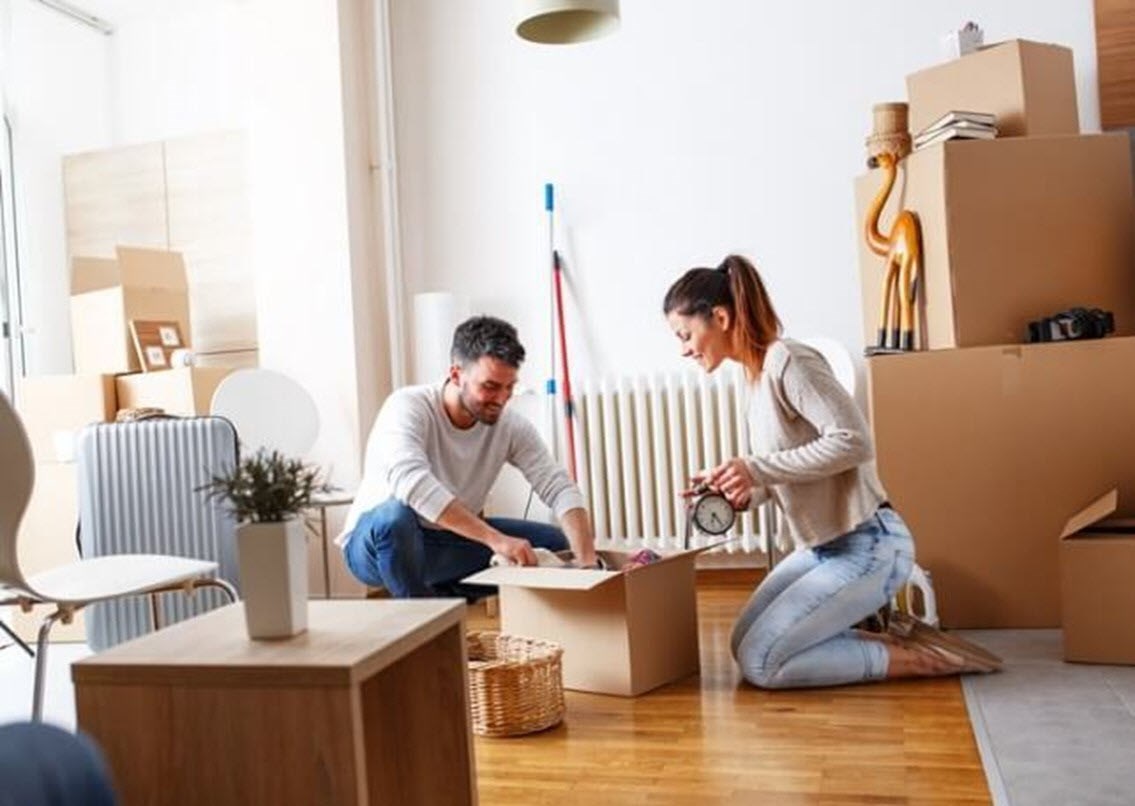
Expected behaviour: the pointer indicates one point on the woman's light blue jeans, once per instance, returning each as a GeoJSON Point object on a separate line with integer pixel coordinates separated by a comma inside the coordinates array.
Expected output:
{"type": "Point", "coordinates": [795, 631]}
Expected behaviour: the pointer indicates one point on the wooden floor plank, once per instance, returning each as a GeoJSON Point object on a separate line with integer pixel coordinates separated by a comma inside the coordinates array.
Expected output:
{"type": "Point", "coordinates": [714, 739]}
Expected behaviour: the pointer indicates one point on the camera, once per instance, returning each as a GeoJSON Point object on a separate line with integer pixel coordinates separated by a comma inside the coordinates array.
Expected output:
{"type": "Point", "coordinates": [1075, 323]}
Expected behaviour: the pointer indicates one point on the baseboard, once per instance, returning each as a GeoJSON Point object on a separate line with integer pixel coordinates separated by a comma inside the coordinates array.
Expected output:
{"type": "Point", "coordinates": [724, 576]}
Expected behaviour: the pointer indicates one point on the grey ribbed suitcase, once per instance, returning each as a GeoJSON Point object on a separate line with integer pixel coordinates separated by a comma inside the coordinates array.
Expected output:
{"type": "Point", "coordinates": [138, 495]}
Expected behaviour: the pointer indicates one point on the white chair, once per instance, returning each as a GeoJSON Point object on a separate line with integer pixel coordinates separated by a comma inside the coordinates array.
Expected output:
{"type": "Point", "coordinates": [74, 586]}
{"type": "Point", "coordinates": [269, 410]}
{"type": "Point", "coordinates": [273, 412]}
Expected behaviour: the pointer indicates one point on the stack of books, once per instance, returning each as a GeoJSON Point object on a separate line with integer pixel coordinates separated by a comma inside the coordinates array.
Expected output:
{"type": "Point", "coordinates": [957, 125]}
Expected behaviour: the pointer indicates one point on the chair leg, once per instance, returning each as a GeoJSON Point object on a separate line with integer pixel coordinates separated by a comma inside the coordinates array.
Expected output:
{"type": "Point", "coordinates": [17, 639]}
{"type": "Point", "coordinates": [41, 663]}
{"type": "Point", "coordinates": [155, 612]}
{"type": "Point", "coordinates": [229, 590]}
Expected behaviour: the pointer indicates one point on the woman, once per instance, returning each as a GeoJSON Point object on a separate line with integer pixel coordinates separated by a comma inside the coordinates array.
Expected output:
{"type": "Point", "coordinates": [813, 455]}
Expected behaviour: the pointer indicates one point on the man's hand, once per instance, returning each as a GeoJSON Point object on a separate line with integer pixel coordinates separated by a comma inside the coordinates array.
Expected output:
{"type": "Point", "coordinates": [516, 550]}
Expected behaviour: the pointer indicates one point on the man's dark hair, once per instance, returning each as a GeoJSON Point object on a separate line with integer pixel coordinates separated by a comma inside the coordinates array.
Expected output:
{"type": "Point", "coordinates": [486, 335]}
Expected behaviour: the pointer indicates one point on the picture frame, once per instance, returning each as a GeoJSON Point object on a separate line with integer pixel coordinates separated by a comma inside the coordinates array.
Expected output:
{"type": "Point", "coordinates": [154, 342]}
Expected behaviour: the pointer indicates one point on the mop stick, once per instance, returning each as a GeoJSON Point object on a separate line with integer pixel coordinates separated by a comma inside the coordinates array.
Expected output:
{"type": "Point", "coordinates": [569, 406]}
{"type": "Point", "coordinates": [550, 386]}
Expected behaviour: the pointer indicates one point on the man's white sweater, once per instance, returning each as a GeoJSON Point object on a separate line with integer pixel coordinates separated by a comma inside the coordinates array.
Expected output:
{"type": "Point", "coordinates": [416, 454]}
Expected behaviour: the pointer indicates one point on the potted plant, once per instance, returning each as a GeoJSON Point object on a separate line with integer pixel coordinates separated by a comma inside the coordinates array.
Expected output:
{"type": "Point", "coordinates": [267, 492]}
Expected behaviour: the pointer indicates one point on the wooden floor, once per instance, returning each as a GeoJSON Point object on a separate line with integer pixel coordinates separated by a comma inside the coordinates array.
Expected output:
{"type": "Point", "coordinates": [715, 739]}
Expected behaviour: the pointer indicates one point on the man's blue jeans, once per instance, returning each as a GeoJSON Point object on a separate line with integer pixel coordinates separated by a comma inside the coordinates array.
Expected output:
{"type": "Point", "coordinates": [389, 547]}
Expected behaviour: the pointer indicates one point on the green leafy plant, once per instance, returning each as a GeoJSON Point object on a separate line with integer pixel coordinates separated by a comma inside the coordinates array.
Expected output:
{"type": "Point", "coordinates": [267, 487]}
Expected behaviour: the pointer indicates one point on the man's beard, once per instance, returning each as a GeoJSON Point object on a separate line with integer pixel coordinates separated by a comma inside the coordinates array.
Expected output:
{"type": "Point", "coordinates": [477, 411]}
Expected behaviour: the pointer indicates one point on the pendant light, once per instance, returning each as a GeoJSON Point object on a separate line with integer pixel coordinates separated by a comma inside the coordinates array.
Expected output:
{"type": "Point", "coordinates": [563, 22]}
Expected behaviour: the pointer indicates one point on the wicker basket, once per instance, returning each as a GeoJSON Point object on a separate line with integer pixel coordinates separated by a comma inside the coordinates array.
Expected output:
{"type": "Point", "coordinates": [515, 684]}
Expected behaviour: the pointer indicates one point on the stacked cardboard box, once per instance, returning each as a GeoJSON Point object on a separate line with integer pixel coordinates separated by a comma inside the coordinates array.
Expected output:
{"type": "Point", "coordinates": [990, 447]}
{"type": "Point", "coordinates": [144, 284]}
{"type": "Point", "coordinates": [140, 284]}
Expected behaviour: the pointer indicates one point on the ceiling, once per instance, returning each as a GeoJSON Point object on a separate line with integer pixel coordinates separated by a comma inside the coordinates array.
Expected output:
{"type": "Point", "coordinates": [117, 12]}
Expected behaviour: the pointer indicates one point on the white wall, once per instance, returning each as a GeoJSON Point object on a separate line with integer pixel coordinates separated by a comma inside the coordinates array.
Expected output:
{"type": "Point", "coordinates": [181, 71]}
{"type": "Point", "coordinates": [175, 69]}
{"type": "Point", "coordinates": [299, 210]}
{"type": "Point", "coordinates": [699, 129]}
{"type": "Point", "coordinates": [57, 90]}
{"type": "Point", "coordinates": [277, 71]}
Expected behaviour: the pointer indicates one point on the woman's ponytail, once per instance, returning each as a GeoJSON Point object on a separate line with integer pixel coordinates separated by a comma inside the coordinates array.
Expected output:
{"type": "Point", "coordinates": [758, 326]}
{"type": "Point", "coordinates": [737, 287]}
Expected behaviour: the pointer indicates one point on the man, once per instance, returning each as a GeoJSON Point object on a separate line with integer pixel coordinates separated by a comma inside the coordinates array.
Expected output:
{"type": "Point", "coordinates": [432, 456]}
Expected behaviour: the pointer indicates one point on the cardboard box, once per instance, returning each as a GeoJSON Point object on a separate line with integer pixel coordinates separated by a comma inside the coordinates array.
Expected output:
{"type": "Point", "coordinates": [54, 407]}
{"type": "Point", "coordinates": [622, 633]}
{"type": "Point", "coordinates": [184, 392]}
{"type": "Point", "coordinates": [985, 452]}
{"type": "Point", "coordinates": [145, 284]}
{"type": "Point", "coordinates": [46, 540]}
{"type": "Point", "coordinates": [1097, 585]}
{"type": "Point", "coordinates": [1012, 231]}
{"type": "Point", "coordinates": [1029, 86]}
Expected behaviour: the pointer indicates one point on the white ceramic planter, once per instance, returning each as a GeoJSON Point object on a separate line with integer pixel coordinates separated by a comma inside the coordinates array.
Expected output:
{"type": "Point", "coordinates": [273, 577]}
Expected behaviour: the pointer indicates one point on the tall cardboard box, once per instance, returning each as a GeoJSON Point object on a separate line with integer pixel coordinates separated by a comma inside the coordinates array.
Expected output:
{"type": "Point", "coordinates": [1097, 585]}
{"type": "Point", "coordinates": [1012, 231]}
{"type": "Point", "coordinates": [623, 633]}
{"type": "Point", "coordinates": [145, 284]}
{"type": "Point", "coordinates": [1029, 86]}
{"type": "Point", "coordinates": [183, 392]}
{"type": "Point", "coordinates": [986, 452]}
{"type": "Point", "coordinates": [47, 540]}
{"type": "Point", "coordinates": [54, 407]}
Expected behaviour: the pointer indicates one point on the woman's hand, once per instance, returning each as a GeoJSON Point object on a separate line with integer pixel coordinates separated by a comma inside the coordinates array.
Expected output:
{"type": "Point", "coordinates": [697, 484]}
{"type": "Point", "coordinates": [734, 480]}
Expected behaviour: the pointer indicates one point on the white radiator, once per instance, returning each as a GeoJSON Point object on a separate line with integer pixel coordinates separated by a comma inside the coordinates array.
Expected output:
{"type": "Point", "coordinates": [638, 441]}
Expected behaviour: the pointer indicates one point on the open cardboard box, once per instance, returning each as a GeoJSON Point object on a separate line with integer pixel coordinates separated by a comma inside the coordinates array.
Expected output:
{"type": "Point", "coordinates": [143, 284]}
{"type": "Point", "coordinates": [1029, 86]}
{"type": "Point", "coordinates": [622, 632]}
{"type": "Point", "coordinates": [1097, 584]}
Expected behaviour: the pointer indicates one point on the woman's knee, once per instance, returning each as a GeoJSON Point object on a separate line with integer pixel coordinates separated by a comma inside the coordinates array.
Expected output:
{"type": "Point", "coordinates": [753, 651]}
{"type": "Point", "coordinates": [763, 678]}
{"type": "Point", "coordinates": [764, 652]}
{"type": "Point", "coordinates": [762, 673]}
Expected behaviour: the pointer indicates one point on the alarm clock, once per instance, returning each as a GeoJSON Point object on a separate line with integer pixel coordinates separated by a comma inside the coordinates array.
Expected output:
{"type": "Point", "coordinates": [710, 512]}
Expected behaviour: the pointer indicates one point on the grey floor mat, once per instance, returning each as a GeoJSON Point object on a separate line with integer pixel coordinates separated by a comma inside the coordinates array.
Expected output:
{"type": "Point", "coordinates": [1051, 732]}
